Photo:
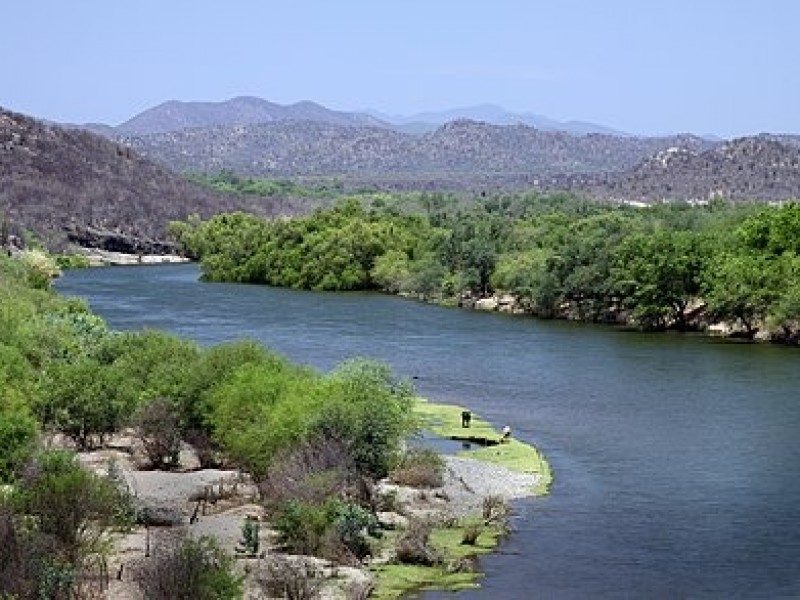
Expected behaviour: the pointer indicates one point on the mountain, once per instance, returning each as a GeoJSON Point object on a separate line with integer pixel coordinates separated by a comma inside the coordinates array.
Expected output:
{"type": "Point", "coordinates": [764, 167]}
{"type": "Point", "coordinates": [489, 113]}
{"type": "Point", "coordinates": [462, 148]}
{"type": "Point", "coordinates": [55, 180]}
{"type": "Point", "coordinates": [244, 110]}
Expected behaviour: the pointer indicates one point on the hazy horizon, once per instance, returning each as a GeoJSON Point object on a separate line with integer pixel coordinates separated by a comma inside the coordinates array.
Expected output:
{"type": "Point", "coordinates": [715, 67]}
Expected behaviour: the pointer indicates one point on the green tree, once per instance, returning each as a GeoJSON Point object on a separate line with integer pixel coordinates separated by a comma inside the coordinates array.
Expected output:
{"type": "Point", "coordinates": [659, 274]}
{"type": "Point", "coordinates": [743, 288]}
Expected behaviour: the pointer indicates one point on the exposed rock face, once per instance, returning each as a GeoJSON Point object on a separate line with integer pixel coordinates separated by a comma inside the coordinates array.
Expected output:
{"type": "Point", "coordinates": [117, 241]}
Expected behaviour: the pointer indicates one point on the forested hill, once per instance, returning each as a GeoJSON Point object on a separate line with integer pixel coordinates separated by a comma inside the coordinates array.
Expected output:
{"type": "Point", "coordinates": [53, 178]}
{"type": "Point", "coordinates": [761, 168]}
{"type": "Point", "coordinates": [466, 149]}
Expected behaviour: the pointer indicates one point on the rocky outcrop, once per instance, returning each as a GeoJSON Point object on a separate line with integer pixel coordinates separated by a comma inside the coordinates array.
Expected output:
{"type": "Point", "coordinates": [117, 241]}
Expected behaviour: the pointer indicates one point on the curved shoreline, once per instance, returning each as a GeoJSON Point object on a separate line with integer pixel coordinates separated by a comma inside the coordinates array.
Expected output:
{"type": "Point", "coordinates": [510, 470]}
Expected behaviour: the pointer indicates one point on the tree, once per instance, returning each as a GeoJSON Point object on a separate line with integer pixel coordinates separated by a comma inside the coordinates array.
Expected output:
{"type": "Point", "coordinates": [742, 287]}
{"type": "Point", "coordinates": [659, 273]}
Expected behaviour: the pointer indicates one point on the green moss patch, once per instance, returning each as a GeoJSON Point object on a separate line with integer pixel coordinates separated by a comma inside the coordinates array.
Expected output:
{"type": "Point", "coordinates": [444, 420]}
{"type": "Point", "coordinates": [395, 580]}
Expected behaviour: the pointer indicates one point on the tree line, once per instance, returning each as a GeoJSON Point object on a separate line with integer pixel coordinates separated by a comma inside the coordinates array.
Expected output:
{"type": "Point", "coordinates": [665, 266]}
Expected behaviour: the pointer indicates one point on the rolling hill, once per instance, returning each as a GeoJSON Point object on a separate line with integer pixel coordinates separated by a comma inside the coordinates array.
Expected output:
{"type": "Point", "coordinates": [56, 181]}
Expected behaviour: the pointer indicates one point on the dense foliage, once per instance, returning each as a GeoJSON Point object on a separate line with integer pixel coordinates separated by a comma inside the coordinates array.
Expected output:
{"type": "Point", "coordinates": [63, 371]}
{"type": "Point", "coordinates": [667, 266]}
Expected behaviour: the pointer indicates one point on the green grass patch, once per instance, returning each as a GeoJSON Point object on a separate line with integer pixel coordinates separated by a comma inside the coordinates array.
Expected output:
{"type": "Point", "coordinates": [395, 580]}
{"type": "Point", "coordinates": [444, 420]}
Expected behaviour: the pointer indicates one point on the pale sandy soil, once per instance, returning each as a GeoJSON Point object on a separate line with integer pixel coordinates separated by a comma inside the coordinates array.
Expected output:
{"type": "Point", "coordinates": [467, 483]}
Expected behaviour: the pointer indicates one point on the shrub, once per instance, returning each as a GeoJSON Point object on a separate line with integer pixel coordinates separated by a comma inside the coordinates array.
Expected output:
{"type": "Point", "coordinates": [371, 411]}
{"type": "Point", "coordinates": [53, 529]}
{"type": "Point", "coordinates": [495, 510]}
{"type": "Point", "coordinates": [471, 534]}
{"type": "Point", "coordinates": [69, 503]}
{"type": "Point", "coordinates": [302, 527]}
{"type": "Point", "coordinates": [18, 432]}
{"type": "Point", "coordinates": [41, 268]}
{"type": "Point", "coordinates": [85, 400]}
{"type": "Point", "coordinates": [414, 547]}
{"type": "Point", "coordinates": [158, 425]}
{"type": "Point", "coordinates": [420, 467]}
{"type": "Point", "coordinates": [288, 577]}
{"type": "Point", "coordinates": [313, 472]}
{"type": "Point", "coordinates": [186, 568]}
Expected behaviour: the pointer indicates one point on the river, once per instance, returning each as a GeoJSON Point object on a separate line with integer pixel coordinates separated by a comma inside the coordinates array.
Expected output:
{"type": "Point", "coordinates": [676, 456]}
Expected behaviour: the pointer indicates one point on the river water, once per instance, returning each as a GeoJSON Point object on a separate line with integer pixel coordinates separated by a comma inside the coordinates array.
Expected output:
{"type": "Point", "coordinates": [676, 456]}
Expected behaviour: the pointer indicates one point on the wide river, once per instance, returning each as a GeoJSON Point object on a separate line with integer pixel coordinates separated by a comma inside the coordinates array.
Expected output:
{"type": "Point", "coordinates": [677, 457]}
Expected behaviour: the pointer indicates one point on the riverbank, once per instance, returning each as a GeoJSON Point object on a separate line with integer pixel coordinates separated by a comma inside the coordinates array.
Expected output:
{"type": "Point", "coordinates": [455, 510]}
{"type": "Point", "coordinates": [478, 477]}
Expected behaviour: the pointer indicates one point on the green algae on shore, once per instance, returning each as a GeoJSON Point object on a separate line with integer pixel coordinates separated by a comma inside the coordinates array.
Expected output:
{"type": "Point", "coordinates": [444, 420]}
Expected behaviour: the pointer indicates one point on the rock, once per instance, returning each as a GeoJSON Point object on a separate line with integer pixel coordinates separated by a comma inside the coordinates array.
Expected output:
{"type": "Point", "coordinates": [158, 516]}
{"type": "Point", "coordinates": [486, 304]}
{"type": "Point", "coordinates": [392, 520]}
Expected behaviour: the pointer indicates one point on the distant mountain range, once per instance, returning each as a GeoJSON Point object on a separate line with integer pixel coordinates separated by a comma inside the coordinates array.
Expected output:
{"type": "Point", "coordinates": [467, 149]}
{"type": "Point", "coordinates": [247, 110]}
{"type": "Point", "coordinates": [426, 122]}
{"type": "Point", "coordinates": [244, 110]}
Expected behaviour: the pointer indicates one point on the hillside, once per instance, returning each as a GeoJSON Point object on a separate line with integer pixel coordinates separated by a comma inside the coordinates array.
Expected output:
{"type": "Point", "coordinates": [468, 149]}
{"type": "Point", "coordinates": [243, 110]}
{"type": "Point", "coordinates": [757, 168]}
{"type": "Point", "coordinates": [53, 178]}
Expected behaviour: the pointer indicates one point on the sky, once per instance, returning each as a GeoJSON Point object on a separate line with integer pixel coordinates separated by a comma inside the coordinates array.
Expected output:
{"type": "Point", "coordinates": [728, 68]}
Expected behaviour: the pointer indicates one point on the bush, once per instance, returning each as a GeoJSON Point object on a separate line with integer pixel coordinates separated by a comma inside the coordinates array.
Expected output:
{"type": "Point", "coordinates": [371, 411]}
{"type": "Point", "coordinates": [69, 503]}
{"type": "Point", "coordinates": [496, 510]}
{"type": "Point", "coordinates": [186, 568]}
{"type": "Point", "coordinates": [420, 467]}
{"type": "Point", "coordinates": [414, 547]}
{"type": "Point", "coordinates": [471, 534]}
{"type": "Point", "coordinates": [302, 527]}
{"type": "Point", "coordinates": [313, 472]}
{"type": "Point", "coordinates": [288, 577]}
{"type": "Point", "coordinates": [18, 433]}
{"type": "Point", "coordinates": [53, 528]}
{"type": "Point", "coordinates": [158, 425]}
{"type": "Point", "coordinates": [85, 400]}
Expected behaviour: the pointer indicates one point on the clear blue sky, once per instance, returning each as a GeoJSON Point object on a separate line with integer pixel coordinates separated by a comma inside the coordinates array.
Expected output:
{"type": "Point", "coordinates": [724, 67]}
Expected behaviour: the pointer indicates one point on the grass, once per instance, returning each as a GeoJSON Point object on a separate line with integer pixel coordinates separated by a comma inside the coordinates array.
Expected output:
{"type": "Point", "coordinates": [395, 580]}
{"type": "Point", "coordinates": [444, 420]}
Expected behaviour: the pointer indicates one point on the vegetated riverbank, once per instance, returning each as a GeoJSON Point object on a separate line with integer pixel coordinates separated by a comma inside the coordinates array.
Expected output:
{"type": "Point", "coordinates": [317, 458]}
{"type": "Point", "coordinates": [665, 267]}
{"type": "Point", "coordinates": [470, 520]}
{"type": "Point", "coordinates": [466, 515]}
